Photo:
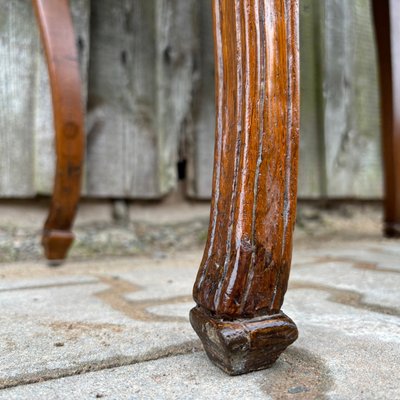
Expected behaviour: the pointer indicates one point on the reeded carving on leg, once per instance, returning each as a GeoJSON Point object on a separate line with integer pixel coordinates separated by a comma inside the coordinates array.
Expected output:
{"type": "Point", "coordinates": [244, 273]}
{"type": "Point", "coordinates": [386, 13]}
{"type": "Point", "coordinates": [63, 64]}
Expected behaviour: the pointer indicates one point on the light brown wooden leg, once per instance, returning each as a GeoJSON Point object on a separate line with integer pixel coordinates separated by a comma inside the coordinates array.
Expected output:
{"type": "Point", "coordinates": [244, 273]}
{"type": "Point", "coordinates": [386, 16]}
{"type": "Point", "coordinates": [62, 59]}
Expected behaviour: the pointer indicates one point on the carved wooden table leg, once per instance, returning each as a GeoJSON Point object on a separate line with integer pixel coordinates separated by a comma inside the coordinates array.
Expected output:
{"type": "Point", "coordinates": [386, 15]}
{"type": "Point", "coordinates": [62, 59]}
{"type": "Point", "coordinates": [244, 273]}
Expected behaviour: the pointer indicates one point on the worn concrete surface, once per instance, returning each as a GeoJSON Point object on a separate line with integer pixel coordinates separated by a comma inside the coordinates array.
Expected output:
{"type": "Point", "coordinates": [117, 327]}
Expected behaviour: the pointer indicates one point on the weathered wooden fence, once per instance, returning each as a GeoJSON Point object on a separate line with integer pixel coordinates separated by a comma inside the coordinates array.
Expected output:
{"type": "Point", "coordinates": [148, 70]}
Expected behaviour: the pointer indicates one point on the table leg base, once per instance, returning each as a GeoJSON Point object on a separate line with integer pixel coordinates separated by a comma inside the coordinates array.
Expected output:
{"type": "Point", "coordinates": [243, 345]}
{"type": "Point", "coordinates": [391, 230]}
{"type": "Point", "coordinates": [56, 244]}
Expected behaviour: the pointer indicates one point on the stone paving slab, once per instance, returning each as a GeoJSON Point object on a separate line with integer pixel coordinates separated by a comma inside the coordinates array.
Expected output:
{"type": "Point", "coordinates": [84, 323]}
{"type": "Point", "coordinates": [118, 329]}
{"type": "Point", "coordinates": [334, 368]}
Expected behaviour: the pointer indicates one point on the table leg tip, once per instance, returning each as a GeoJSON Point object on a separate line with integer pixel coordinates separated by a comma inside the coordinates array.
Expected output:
{"type": "Point", "coordinates": [391, 230]}
{"type": "Point", "coordinates": [56, 244]}
{"type": "Point", "coordinates": [243, 345]}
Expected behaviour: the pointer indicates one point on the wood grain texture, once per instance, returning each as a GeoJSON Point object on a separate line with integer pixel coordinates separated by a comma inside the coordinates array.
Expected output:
{"type": "Point", "coordinates": [387, 14]}
{"type": "Point", "coordinates": [18, 46]}
{"type": "Point", "coordinates": [176, 42]}
{"type": "Point", "coordinates": [163, 104]}
{"type": "Point", "coordinates": [139, 95]}
{"type": "Point", "coordinates": [201, 136]}
{"type": "Point", "coordinates": [312, 176]}
{"type": "Point", "coordinates": [312, 171]}
{"type": "Point", "coordinates": [58, 38]}
{"type": "Point", "coordinates": [351, 117]}
{"type": "Point", "coordinates": [242, 346]}
{"type": "Point", "coordinates": [246, 262]}
{"type": "Point", "coordinates": [340, 145]}
{"type": "Point", "coordinates": [122, 137]}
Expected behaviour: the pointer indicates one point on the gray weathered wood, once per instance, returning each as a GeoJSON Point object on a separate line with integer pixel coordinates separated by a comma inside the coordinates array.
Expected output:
{"type": "Point", "coordinates": [151, 99]}
{"type": "Point", "coordinates": [139, 95]}
{"type": "Point", "coordinates": [201, 134]}
{"type": "Point", "coordinates": [352, 135]}
{"type": "Point", "coordinates": [176, 43]}
{"type": "Point", "coordinates": [312, 174]}
{"type": "Point", "coordinates": [18, 49]}
{"type": "Point", "coordinates": [121, 102]}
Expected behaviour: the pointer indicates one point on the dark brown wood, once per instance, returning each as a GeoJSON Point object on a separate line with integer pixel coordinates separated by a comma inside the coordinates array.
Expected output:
{"type": "Point", "coordinates": [62, 59]}
{"type": "Point", "coordinates": [244, 273]}
{"type": "Point", "coordinates": [386, 14]}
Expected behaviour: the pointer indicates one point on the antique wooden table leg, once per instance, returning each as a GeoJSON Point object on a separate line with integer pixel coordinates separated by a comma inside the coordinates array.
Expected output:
{"type": "Point", "coordinates": [62, 59]}
{"type": "Point", "coordinates": [244, 273]}
{"type": "Point", "coordinates": [386, 16]}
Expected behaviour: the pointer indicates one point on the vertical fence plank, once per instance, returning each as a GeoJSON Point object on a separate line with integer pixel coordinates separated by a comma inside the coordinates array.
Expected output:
{"type": "Point", "coordinates": [312, 177]}
{"type": "Point", "coordinates": [352, 132]}
{"type": "Point", "coordinates": [368, 182]}
{"type": "Point", "coordinates": [201, 142]}
{"type": "Point", "coordinates": [338, 78]}
{"type": "Point", "coordinates": [139, 95]}
{"type": "Point", "coordinates": [18, 59]}
{"type": "Point", "coordinates": [176, 43]}
{"type": "Point", "coordinates": [121, 102]}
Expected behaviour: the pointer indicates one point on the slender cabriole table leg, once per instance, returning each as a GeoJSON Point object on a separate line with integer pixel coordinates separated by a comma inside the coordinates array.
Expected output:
{"type": "Point", "coordinates": [244, 273]}
{"type": "Point", "coordinates": [62, 59]}
{"type": "Point", "coordinates": [386, 16]}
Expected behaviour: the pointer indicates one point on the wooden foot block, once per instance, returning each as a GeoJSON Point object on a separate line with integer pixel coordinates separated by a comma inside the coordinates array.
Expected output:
{"type": "Point", "coordinates": [56, 244]}
{"type": "Point", "coordinates": [244, 345]}
{"type": "Point", "coordinates": [391, 230]}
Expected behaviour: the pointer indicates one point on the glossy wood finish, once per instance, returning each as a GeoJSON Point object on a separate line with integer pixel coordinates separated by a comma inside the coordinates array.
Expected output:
{"type": "Point", "coordinates": [386, 16]}
{"type": "Point", "coordinates": [244, 273]}
{"type": "Point", "coordinates": [62, 59]}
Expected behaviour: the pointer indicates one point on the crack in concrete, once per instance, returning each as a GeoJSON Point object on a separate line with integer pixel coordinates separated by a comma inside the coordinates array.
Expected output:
{"type": "Point", "coordinates": [137, 310]}
{"type": "Point", "coordinates": [192, 346]}
{"type": "Point", "coordinates": [49, 286]}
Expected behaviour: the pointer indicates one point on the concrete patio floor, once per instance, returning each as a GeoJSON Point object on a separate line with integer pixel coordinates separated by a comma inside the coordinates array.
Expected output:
{"type": "Point", "coordinates": [117, 328]}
